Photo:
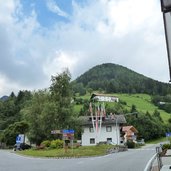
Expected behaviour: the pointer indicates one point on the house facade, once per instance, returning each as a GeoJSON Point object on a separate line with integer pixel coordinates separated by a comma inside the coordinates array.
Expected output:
{"type": "Point", "coordinates": [109, 131]}
{"type": "Point", "coordinates": [130, 133]}
{"type": "Point", "coordinates": [104, 98]}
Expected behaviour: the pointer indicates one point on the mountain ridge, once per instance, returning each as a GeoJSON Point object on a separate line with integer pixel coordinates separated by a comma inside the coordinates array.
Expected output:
{"type": "Point", "coordinates": [4, 98]}
{"type": "Point", "coordinates": [114, 78]}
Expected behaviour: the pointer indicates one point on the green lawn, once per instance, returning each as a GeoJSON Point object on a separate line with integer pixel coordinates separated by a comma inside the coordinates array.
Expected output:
{"type": "Point", "coordinates": [76, 152]}
{"type": "Point", "coordinates": [141, 101]}
{"type": "Point", "coordinates": [163, 139]}
{"type": "Point", "coordinates": [87, 96]}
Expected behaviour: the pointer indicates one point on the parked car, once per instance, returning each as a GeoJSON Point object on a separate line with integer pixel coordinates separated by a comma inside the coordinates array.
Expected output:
{"type": "Point", "coordinates": [140, 142]}
{"type": "Point", "coordinates": [22, 146]}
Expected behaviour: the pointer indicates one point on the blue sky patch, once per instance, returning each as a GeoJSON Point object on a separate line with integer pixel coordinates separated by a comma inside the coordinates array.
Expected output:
{"type": "Point", "coordinates": [45, 16]}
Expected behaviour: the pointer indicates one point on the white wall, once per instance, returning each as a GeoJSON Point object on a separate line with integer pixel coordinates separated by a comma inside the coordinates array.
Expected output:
{"type": "Point", "coordinates": [107, 98]}
{"type": "Point", "coordinates": [101, 136]}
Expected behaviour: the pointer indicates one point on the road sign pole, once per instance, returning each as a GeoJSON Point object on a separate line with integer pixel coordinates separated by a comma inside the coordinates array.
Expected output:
{"type": "Point", "coordinates": [72, 145]}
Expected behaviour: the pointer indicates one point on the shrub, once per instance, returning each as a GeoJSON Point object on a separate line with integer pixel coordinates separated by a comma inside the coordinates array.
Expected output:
{"type": "Point", "coordinates": [166, 146]}
{"type": "Point", "coordinates": [56, 144]}
{"type": "Point", "coordinates": [130, 144]}
{"type": "Point", "coordinates": [46, 143]}
{"type": "Point", "coordinates": [53, 144]}
{"type": "Point", "coordinates": [59, 143]}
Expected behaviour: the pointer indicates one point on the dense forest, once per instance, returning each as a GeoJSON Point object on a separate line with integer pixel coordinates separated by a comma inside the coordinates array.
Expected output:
{"type": "Point", "coordinates": [112, 78]}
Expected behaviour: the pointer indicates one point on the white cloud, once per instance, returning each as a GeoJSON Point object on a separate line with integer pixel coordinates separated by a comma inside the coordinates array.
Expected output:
{"type": "Point", "coordinates": [7, 86]}
{"type": "Point", "coordinates": [20, 50]}
{"type": "Point", "coordinates": [129, 15]}
{"type": "Point", "coordinates": [7, 9]}
{"type": "Point", "coordinates": [125, 32]}
{"type": "Point", "coordinates": [59, 61]}
{"type": "Point", "coordinates": [52, 6]}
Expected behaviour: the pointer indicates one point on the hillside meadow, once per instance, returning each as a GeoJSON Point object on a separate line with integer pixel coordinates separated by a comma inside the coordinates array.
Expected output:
{"type": "Point", "coordinates": [141, 101]}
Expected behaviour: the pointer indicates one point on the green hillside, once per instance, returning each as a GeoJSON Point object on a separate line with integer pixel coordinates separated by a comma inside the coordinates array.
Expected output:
{"type": "Point", "coordinates": [141, 101]}
{"type": "Point", "coordinates": [132, 89]}
{"type": "Point", "coordinates": [112, 78]}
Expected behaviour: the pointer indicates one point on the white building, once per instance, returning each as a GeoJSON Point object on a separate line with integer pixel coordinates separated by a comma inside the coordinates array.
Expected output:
{"type": "Point", "coordinates": [110, 130]}
{"type": "Point", "coordinates": [104, 98]}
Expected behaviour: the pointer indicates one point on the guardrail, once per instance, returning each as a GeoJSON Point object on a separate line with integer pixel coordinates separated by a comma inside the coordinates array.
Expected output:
{"type": "Point", "coordinates": [150, 163]}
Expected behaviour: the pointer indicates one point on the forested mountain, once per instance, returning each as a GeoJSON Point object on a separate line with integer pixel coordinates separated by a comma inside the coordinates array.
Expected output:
{"type": "Point", "coordinates": [112, 78]}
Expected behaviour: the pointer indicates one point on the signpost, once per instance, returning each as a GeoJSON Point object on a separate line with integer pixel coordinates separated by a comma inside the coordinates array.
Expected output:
{"type": "Point", "coordinates": [20, 139]}
{"type": "Point", "coordinates": [68, 136]}
{"type": "Point", "coordinates": [168, 134]}
{"type": "Point", "coordinates": [56, 132]}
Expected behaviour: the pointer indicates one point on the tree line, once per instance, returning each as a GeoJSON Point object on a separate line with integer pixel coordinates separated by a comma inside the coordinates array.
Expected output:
{"type": "Point", "coordinates": [38, 113]}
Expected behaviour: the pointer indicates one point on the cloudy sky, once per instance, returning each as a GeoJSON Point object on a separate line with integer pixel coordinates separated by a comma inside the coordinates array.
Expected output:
{"type": "Point", "coordinates": [39, 38]}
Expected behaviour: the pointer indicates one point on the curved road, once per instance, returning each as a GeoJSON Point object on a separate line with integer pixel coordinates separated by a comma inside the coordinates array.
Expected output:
{"type": "Point", "coordinates": [131, 160]}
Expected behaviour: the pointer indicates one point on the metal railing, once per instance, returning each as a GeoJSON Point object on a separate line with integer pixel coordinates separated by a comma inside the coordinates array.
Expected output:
{"type": "Point", "coordinates": [157, 157]}
{"type": "Point", "coordinates": [150, 163]}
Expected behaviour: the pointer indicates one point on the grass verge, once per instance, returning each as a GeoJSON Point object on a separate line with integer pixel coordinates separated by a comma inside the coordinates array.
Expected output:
{"type": "Point", "coordinates": [156, 141]}
{"type": "Point", "coordinates": [82, 151]}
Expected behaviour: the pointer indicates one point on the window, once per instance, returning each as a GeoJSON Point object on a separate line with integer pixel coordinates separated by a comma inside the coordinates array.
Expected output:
{"type": "Point", "coordinates": [91, 129]}
{"type": "Point", "coordinates": [108, 128]}
{"type": "Point", "coordinates": [92, 141]}
{"type": "Point", "coordinates": [109, 140]}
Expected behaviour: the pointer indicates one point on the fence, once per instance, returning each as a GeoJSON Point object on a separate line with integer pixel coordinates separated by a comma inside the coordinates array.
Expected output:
{"type": "Point", "coordinates": [150, 164]}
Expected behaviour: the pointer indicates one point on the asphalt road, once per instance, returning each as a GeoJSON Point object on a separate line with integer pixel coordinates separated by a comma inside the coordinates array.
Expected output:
{"type": "Point", "coordinates": [131, 160]}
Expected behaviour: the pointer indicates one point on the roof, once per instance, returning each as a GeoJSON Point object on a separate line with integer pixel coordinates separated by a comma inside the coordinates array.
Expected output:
{"type": "Point", "coordinates": [106, 95]}
{"type": "Point", "coordinates": [120, 119]}
{"type": "Point", "coordinates": [129, 128]}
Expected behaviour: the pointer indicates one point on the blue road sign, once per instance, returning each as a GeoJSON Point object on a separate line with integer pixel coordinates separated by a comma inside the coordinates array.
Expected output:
{"type": "Point", "coordinates": [168, 134]}
{"type": "Point", "coordinates": [20, 139]}
{"type": "Point", "coordinates": [68, 131]}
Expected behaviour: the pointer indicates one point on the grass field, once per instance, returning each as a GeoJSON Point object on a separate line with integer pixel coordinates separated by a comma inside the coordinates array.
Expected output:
{"type": "Point", "coordinates": [160, 140]}
{"type": "Point", "coordinates": [141, 101]}
{"type": "Point", "coordinates": [143, 104]}
{"type": "Point", "coordinates": [76, 152]}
